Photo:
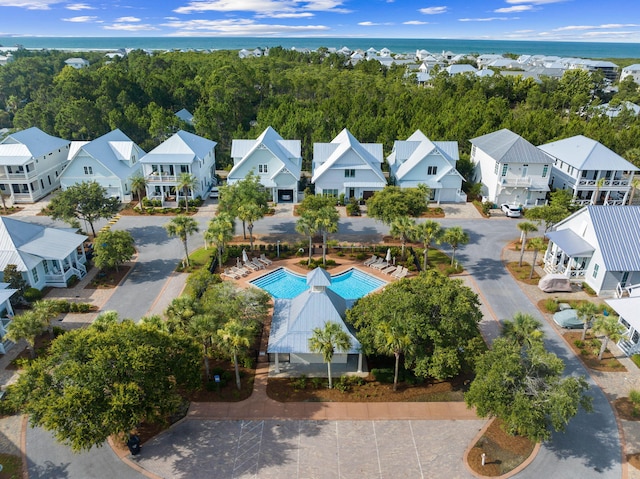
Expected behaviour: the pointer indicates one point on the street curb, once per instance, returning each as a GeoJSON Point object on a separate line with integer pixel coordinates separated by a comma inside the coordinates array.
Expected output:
{"type": "Point", "coordinates": [23, 446]}
{"type": "Point", "coordinates": [511, 473]}
{"type": "Point", "coordinates": [123, 456]}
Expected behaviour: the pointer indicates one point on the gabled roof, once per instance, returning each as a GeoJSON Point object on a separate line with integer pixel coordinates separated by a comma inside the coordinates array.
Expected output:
{"type": "Point", "coordinates": [408, 154]}
{"type": "Point", "coordinates": [618, 231]}
{"type": "Point", "coordinates": [113, 151]}
{"type": "Point", "coordinates": [182, 147]}
{"type": "Point", "coordinates": [325, 155]}
{"type": "Point", "coordinates": [586, 154]}
{"type": "Point", "coordinates": [284, 150]}
{"type": "Point", "coordinates": [505, 146]}
{"type": "Point", "coordinates": [21, 146]}
{"type": "Point", "coordinates": [318, 278]}
{"type": "Point", "coordinates": [26, 244]}
{"type": "Point", "coordinates": [185, 115]}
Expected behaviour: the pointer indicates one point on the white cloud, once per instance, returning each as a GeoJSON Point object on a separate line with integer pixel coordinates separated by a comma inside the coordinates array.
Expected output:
{"type": "Point", "coordinates": [126, 19]}
{"type": "Point", "coordinates": [595, 27]}
{"type": "Point", "coordinates": [286, 15]}
{"type": "Point", "coordinates": [239, 27]}
{"type": "Point", "coordinates": [29, 4]}
{"type": "Point", "coordinates": [82, 19]}
{"type": "Point", "coordinates": [433, 10]}
{"type": "Point", "coordinates": [130, 27]}
{"type": "Point", "coordinates": [516, 8]}
{"type": "Point", "coordinates": [79, 6]}
{"type": "Point", "coordinates": [488, 19]}
{"type": "Point", "coordinates": [263, 7]}
{"type": "Point", "coordinates": [368, 24]}
{"type": "Point", "coordinates": [415, 22]}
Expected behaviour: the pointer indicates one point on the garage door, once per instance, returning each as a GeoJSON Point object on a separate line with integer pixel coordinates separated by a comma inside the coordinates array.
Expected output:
{"type": "Point", "coordinates": [285, 196]}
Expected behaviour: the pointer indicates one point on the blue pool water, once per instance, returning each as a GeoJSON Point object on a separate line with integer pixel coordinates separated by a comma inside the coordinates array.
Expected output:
{"type": "Point", "coordinates": [351, 285]}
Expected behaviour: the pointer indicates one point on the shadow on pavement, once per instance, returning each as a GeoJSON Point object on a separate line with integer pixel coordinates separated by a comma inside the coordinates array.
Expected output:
{"type": "Point", "coordinates": [149, 235]}
{"type": "Point", "coordinates": [49, 470]}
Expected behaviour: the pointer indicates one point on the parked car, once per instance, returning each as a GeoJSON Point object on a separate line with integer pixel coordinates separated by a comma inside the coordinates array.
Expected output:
{"type": "Point", "coordinates": [214, 192]}
{"type": "Point", "coordinates": [511, 211]}
{"type": "Point", "coordinates": [568, 319]}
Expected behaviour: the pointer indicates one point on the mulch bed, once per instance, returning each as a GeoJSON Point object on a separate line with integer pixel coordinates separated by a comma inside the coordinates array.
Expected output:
{"type": "Point", "coordinates": [108, 279]}
{"type": "Point", "coordinates": [210, 392]}
{"type": "Point", "coordinates": [589, 353]}
{"type": "Point", "coordinates": [634, 460]}
{"type": "Point", "coordinates": [521, 273]}
{"type": "Point", "coordinates": [626, 409]}
{"type": "Point", "coordinates": [503, 452]}
{"type": "Point", "coordinates": [316, 390]}
{"type": "Point", "coordinates": [11, 466]}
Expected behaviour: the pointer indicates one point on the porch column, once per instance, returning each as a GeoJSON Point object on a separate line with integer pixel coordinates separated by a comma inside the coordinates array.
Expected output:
{"type": "Point", "coordinates": [277, 368]}
{"type": "Point", "coordinates": [625, 197]}
{"type": "Point", "coordinates": [606, 197]}
{"type": "Point", "coordinates": [359, 362]}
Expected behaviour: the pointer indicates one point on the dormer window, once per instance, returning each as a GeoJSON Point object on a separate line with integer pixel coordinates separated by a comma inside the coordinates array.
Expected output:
{"type": "Point", "coordinates": [263, 168]}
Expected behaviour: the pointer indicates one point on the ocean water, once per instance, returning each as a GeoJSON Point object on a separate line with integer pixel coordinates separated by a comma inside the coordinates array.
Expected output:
{"type": "Point", "coordinates": [396, 45]}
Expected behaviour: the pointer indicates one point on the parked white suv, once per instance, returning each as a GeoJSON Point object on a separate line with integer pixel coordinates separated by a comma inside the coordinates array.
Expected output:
{"type": "Point", "coordinates": [214, 193]}
{"type": "Point", "coordinates": [511, 211]}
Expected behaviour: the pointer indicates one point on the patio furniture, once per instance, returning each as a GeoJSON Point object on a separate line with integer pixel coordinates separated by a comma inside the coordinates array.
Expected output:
{"type": "Point", "coordinates": [371, 260]}
{"type": "Point", "coordinates": [240, 271]}
{"type": "Point", "coordinates": [389, 270]}
{"type": "Point", "coordinates": [258, 264]}
{"type": "Point", "coordinates": [251, 266]}
{"type": "Point", "coordinates": [380, 265]}
{"type": "Point", "coordinates": [229, 274]}
{"type": "Point", "coordinates": [264, 259]}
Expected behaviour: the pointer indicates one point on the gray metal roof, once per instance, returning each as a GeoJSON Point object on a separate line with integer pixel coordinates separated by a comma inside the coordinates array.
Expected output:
{"type": "Point", "coordinates": [179, 146]}
{"type": "Point", "coordinates": [26, 244]}
{"type": "Point", "coordinates": [506, 146]}
{"type": "Point", "coordinates": [318, 277]}
{"type": "Point", "coordinates": [628, 309]}
{"type": "Point", "coordinates": [618, 231]}
{"type": "Point", "coordinates": [586, 154]}
{"type": "Point", "coordinates": [37, 141]}
{"type": "Point", "coordinates": [570, 243]}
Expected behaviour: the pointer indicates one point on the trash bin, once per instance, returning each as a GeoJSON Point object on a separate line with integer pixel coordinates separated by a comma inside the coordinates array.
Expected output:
{"type": "Point", "coordinates": [134, 444]}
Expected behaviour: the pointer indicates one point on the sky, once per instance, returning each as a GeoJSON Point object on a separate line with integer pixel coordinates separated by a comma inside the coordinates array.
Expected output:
{"type": "Point", "coordinates": [544, 20]}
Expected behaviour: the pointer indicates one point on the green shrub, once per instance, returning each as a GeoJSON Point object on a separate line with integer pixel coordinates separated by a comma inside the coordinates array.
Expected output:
{"type": "Point", "coordinates": [225, 376]}
{"type": "Point", "coordinates": [579, 343]}
{"type": "Point", "coordinates": [317, 383]}
{"type": "Point", "coordinates": [636, 359]}
{"type": "Point", "coordinates": [32, 294]}
{"type": "Point", "coordinates": [361, 256]}
{"type": "Point", "coordinates": [331, 262]}
{"type": "Point", "coordinates": [72, 281]}
{"type": "Point", "coordinates": [551, 305]}
{"type": "Point", "coordinates": [588, 289]}
{"type": "Point", "coordinates": [383, 375]}
{"type": "Point", "coordinates": [634, 397]}
{"type": "Point", "coordinates": [299, 383]}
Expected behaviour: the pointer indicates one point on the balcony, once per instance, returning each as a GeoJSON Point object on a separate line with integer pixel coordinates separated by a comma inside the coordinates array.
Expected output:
{"type": "Point", "coordinates": [614, 182]}
{"type": "Point", "coordinates": [516, 181]}
{"type": "Point", "coordinates": [161, 178]}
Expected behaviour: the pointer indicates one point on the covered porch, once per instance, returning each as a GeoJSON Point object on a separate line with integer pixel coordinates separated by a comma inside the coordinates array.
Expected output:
{"type": "Point", "coordinates": [628, 310]}
{"type": "Point", "coordinates": [6, 315]}
{"type": "Point", "coordinates": [568, 254]}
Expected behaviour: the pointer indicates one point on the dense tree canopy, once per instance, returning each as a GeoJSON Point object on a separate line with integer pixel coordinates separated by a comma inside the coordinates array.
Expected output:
{"type": "Point", "coordinates": [393, 202]}
{"type": "Point", "coordinates": [106, 379]}
{"type": "Point", "coordinates": [439, 315]}
{"type": "Point", "coordinates": [310, 97]}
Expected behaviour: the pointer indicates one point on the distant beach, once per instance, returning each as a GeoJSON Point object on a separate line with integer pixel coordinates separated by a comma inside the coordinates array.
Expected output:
{"type": "Point", "coordinates": [396, 45]}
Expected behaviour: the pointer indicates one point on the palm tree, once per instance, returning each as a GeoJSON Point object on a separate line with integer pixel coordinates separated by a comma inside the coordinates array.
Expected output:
{"type": "Point", "coordinates": [327, 340]}
{"type": "Point", "coordinates": [219, 232]}
{"type": "Point", "coordinates": [138, 186]}
{"type": "Point", "coordinates": [525, 228]}
{"type": "Point", "coordinates": [635, 185]}
{"type": "Point", "coordinates": [185, 182]}
{"type": "Point", "coordinates": [427, 232]}
{"type": "Point", "coordinates": [536, 244]}
{"type": "Point", "coordinates": [523, 329]}
{"type": "Point", "coordinates": [182, 226]}
{"type": "Point", "coordinates": [46, 310]}
{"type": "Point", "coordinates": [455, 236]}
{"type": "Point", "coordinates": [250, 213]}
{"type": "Point", "coordinates": [202, 327]}
{"type": "Point", "coordinates": [235, 338]}
{"type": "Point", "coordinates": [402, 228]}
{"type": "Point", "coordinates": [306, 226]}
{"type": "Point", "coordinates": [586, 312]}
{"type": "Point", "coordinates": [27, 326]}
{"type": "Point", "coordinates": [596, 193]}
{"type": "Point", "coordinates": [392, 338]}
{"type": "Point", "coordinates": [326, 221]}
{"type": "Point", "coordinates": [612, 330]}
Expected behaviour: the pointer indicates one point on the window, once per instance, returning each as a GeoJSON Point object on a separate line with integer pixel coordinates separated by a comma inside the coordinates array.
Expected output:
{"type": "Point", "coordinates": [330, 193]}
{"type": "Point", "coordinates": [595, 270]}
{"type": "Point", "coordinates": [545, 170]}
{"type": "Point", "coordinates": [432, 170]}
{"type": "Point", "coordinates": [263, 168]}
{"type": "Point", "coordinates": [349, 173]}
{"type": "Point", "coordinates": [495, 168]}
{"type": "Point", "coordinates": [45, 264]}
{"type": "Point", "coordinates": [505, 168]}
{"type": "Point", "coordinates": [88, 170]}
{"type": "Point", "coordinates": [184, 168]}
{"type": "Point", "coordinates": [34, 273]}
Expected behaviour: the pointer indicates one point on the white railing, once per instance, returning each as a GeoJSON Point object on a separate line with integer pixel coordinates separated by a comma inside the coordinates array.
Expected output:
{"type": "Point", "coordinates": [157, 178]}
{"type": "Point", "coordinates": [516, 181]}
{"type": "Point", "coordinates": [611, 202]}
{"type": "Point", "coordinates": [632, 290]}
{"type": "Point", "coordinates": [610, 182]}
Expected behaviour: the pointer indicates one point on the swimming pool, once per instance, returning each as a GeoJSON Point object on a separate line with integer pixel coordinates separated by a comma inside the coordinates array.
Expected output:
{"type": "Point", "coordinates": [351, 285]}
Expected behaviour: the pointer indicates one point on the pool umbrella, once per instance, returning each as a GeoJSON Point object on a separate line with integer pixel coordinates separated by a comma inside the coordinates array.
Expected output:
{"type": "Point", "coordinates": [238, 263]}
{"type": "Point", "coordinates": [388, 257]}
{"type": "Point", "coordinates": [245, 258]}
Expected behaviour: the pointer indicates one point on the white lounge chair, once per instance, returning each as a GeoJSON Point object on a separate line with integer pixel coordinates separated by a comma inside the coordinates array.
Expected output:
{"type": "Point", "coordinates": [258, 264]}
{"type": "Point", "coordinates": [381, 265]}
{"type": "Point", "coordinates": [265, 260]}
{"type": "Point", "coordinates": [389, 270]}
{"type": "Point", "coordinates": [378, 261]}
{"type": "Point", "coordinates": [240, 271]}
{"type": "Point", "coordinates": [398, 272]}
{"type": "Point", "coordinates": [229, 274]}
{"type": "Point", "coordinates": [371, 260]}
{"type": "Point", "coordinates": [404, 273]}
{"type": "Point", "coordinates": [251, 266]}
